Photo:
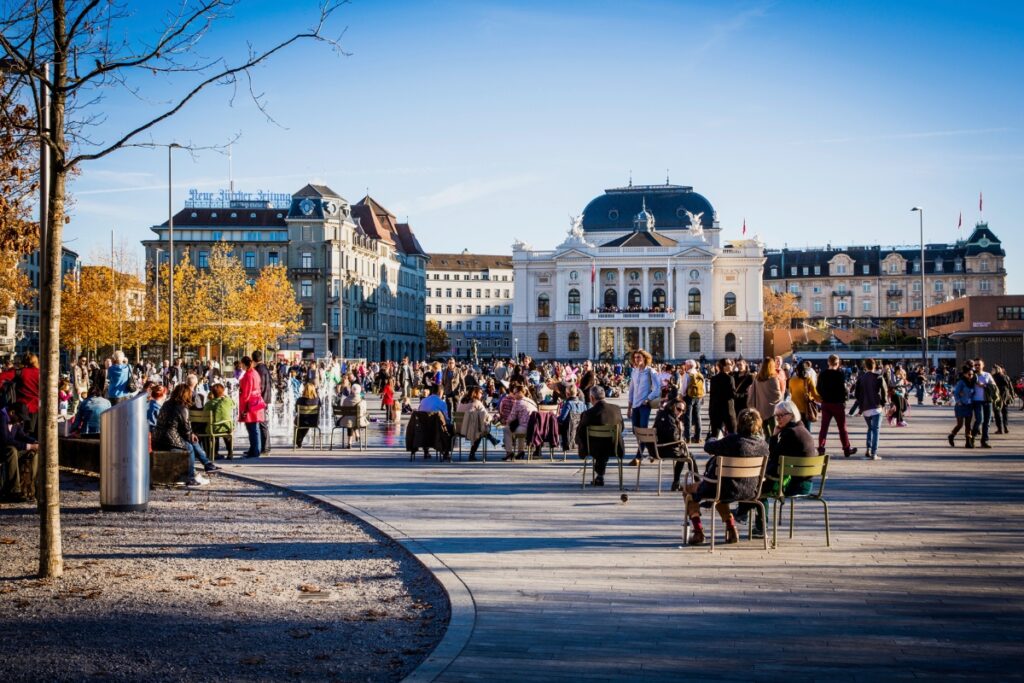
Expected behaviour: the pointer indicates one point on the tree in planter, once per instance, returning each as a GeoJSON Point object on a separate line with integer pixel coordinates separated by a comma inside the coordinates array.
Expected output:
{"type": "Point", "coordinates": [73, 55]}
{"type": "Point", "coordinates": [437, 338]}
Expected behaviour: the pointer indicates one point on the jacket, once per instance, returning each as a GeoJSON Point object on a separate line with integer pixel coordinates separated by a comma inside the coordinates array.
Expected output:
{"type": "Point", "coordinates": [963, 393]}
{"type": "Point", "coordinates": [643, 386]}
{"type": "Point", "coordinates": [601, 413]}
{"type": "Point", "coordinates": [722, 395]}
{"type": "Point", "coordinates": [349, 422]}
{"type": "Point", "coordinates": [28, 389]}
{"type": "Point", "coordinates": [567, 430]}
{"type": "Point", "coordinates": [732, 445]}
{"type": "Point", "coordinates": [250, 392]}
{"type": "Point", "coordinates": [743, 384]}
{"type": "Point", "coordinates": [542, 429]}
{"type": "Point", "coordinates": [266, 384]}
{"type": "Point", "coordinates": [118, 376]}
{"type": "Point", "coordinates": [802, 390]}
{"type": "Point", "coordinates": [307, 420]}
{"type": "Point", "coordinates": [870, 392]}
{"type": "Point", "coordinates": [16, 437]}
{"type": "Point", "coordinates": [669, 431]}
{"type": "Point", "coordinates": [87, 419]}
{"type": "Point", "coordinates": [453, 383]}
{"type": "Point", "coordinates": [173, 428]}
{"type": "Point", "coordinates": [764, 395]}
{"type": "Point", "coordinates": [792, 440]}
{"type": "Point", "coordinates": [521, 414]}
{"type": "Point", "coordinates": [220, 411]}
{"type": "Point", "coordinates": [832, 386]}
{"type": "Point", "coordinates": [476, 421]}
{"type": "Point", "coordinates": [428, 430]}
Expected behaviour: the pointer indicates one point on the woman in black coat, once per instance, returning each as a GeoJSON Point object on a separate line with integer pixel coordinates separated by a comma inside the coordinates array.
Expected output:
{"type": "Point", "coordinates": [722, 400]}
{"type": "Point", "coordinates": [747, 441]}
{"type": "Point", "coordinates": [669, 429]}
{"type": "Point", "coordinates": [743, 379]}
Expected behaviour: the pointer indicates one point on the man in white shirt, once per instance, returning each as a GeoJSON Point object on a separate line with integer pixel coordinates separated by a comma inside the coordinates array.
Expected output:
{"type": "Point", "coordinates": [982, 404]}
{"type": "Point", "coordinates": [644, 387]}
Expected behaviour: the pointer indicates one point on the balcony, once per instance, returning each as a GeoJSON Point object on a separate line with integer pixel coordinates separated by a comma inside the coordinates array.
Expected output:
{"type": "Point", "coordinates": [838, 294]}
{"type": "Point", "coordinates": [306, 272]}
{"type": "Point", "coordinates": [891, 293]}
{"type": "Point", "coordinates": [630, 315]}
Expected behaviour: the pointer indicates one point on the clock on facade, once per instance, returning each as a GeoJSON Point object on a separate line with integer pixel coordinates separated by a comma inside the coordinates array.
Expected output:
{"type": "Point", "coordinates": [306, 206]}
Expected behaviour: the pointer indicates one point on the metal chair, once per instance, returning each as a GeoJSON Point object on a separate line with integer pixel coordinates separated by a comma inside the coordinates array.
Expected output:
{"type": "Point", "coordinates": [458, 418]}
{"type": "Point", "coordinates": [211, 431]}
{"type": "Point", "coordinates": [305, 411]}
{"type": "Point", "coordinates": [352, 412]}
{"type": "Point", "coordinates": [738, 467]}
{"type": "Point", "coordinates": [649, 436]}
{"type": "Point", "coordinates": [604, 432]}
{"type": "Point", "coordinates": [794, 466]}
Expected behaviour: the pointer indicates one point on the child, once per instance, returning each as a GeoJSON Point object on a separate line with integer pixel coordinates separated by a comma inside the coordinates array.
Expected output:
{"type": "Point", "coordinates": [387, 400]}
{"type": "Point", "coordinates": [64, 397]}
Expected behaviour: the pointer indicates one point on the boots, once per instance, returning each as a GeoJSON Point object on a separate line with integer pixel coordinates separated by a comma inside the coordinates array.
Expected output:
{"type": "Point", "coordinates": [731, 534]}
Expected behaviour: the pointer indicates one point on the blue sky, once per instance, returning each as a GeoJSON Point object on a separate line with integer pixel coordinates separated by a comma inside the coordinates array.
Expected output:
{"type": "Point", "coordinates": [482, 122]}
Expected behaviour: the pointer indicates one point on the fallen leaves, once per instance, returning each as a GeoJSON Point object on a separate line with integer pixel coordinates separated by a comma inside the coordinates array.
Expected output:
{"type": "Point", "coordinates": [222, 581]}
{"type": "Point", "coordinates": [309, 588]}
{"type": "Point", "coordinates": [8, 541]}
{"type": "Point", "coordinates": [185, 577]}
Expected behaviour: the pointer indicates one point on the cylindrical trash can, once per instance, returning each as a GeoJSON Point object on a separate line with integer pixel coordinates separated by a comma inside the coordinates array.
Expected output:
{"type": "Point", "coordinates": [124, 456]}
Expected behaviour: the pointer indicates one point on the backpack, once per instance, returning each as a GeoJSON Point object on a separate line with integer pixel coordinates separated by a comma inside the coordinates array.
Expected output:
{"type": "Point", "coordinates": [9, 391]}
{"type": "Point", "coordinates": [992, 392]}
{"type": "Point", "coordinates": [695, 389]}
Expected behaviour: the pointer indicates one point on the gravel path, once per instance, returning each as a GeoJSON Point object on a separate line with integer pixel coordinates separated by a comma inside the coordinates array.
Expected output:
{"type": "Point", "coordinates": [230, 582]}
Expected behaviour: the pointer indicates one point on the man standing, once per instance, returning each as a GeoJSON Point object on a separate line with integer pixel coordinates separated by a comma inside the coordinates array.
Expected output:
{"type": "Point", "coordinates": [600, 414]}
{"type": "Point", "coordinates": [405, 376]}
{"type": "Point", "coordinates": [984, 391]}
{"type": "Point", "coordinates": [80, 379]}
{"type": "Point", "coordinates": [832, 388]}
{"type": "Point", "coordinates": [266, 386]}
{"type": "Point", "coordinates": [643, 388]}
{"type": "Point", "coordinates": [454, 385]}
{"type": "Point", "coordinates": [691, 388]}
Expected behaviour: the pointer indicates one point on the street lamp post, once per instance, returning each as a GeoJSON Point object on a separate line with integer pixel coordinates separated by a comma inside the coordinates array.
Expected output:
{"type": "Point", "coordinates": [170, 254]}
{"type": "Point", "coordinates": [515, 347]}
{"type": "Point", "coordinates": [924, 317]}
{"type": "Point", "coordinates": [156, 277]}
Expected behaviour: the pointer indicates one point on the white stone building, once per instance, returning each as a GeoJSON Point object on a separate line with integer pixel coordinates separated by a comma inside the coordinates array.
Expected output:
{"type": "Point", "coordinates": [643, 267]}
{"type": "Point", "coordinates": [470, 295]}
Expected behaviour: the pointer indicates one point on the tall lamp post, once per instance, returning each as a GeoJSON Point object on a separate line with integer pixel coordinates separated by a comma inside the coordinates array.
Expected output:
{"type": "Point", "coordinates": [156, 276]}
{"type": "Point", "coordinates": [170, 254]}
{"type": "Point", "coordinates": [924, 317]}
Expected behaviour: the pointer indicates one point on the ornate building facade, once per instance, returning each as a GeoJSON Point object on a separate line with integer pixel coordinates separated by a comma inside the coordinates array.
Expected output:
{"type": "Point", "coordinates": [845, 283]}
{"type": "Point", "coordinates": [358, 273]}
{"type": "Point", "coordinates": [470, 295]}
{"type": "Point", "coordinates": [643, 267]}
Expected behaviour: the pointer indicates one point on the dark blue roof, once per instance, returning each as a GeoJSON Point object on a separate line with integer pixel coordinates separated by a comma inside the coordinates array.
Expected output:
{"type": "Point", "coordinates": [617, 207]}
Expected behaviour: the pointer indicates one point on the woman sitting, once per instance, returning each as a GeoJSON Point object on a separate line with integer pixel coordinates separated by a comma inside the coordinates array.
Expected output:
{"type": "Point", "coordinates": [157, 397]}
{"type": "Point", "coordinates": [174, 432]}
{"type": "Point", "coordinates": [746, 442]}
{"type": "Point", "coordinates": [304, 421]}
{"type": "Point", "coordinates": [476, 422]}
{"type": "Point", "coordinates": [87, 419]}
{"type": "Point", "coordinates": [669, 429]}
{"type": "Point", "coordinates": [353, 423]}
{"type": "Point", "coordinates": [519, 419]}
{"type": "Point", "coordinates": [221, 410]}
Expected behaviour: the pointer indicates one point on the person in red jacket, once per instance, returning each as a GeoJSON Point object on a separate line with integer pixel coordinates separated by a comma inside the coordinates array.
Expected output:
{"type": "Point", "coordinates": [251, 408]}
{"type": "Point", "coordinates": [28, 391]}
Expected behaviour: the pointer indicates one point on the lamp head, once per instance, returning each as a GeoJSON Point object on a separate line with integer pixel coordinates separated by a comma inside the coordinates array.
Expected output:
{"type": "Point", "coordinates": [917, 208]}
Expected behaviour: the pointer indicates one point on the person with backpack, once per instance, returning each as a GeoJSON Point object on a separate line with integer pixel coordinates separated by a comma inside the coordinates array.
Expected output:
{"type": "Point", "coordinates": [1006, 396]}
{"type": "Point", "coordinates": [644, 390]}
{"type": "Point", "coordinates": [691, 386]}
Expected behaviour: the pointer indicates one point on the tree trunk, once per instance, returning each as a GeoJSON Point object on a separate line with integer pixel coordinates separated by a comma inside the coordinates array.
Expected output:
{"type": "Point", "coordinates": [51, 555]}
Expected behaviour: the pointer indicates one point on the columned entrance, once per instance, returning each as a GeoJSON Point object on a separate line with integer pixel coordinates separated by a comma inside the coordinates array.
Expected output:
{"type": "Point", "coordinates": [616, 342]}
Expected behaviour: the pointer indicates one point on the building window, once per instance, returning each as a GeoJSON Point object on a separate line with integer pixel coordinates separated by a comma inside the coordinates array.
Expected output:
{"type": "Point", "coordinates": [792, 270]}
{"type": "Point", "coordinates": [542, 342]}
{"type": "Point", "coordinates": [817, 270]}
{"type": "Point", "coordinates": [938, 265]}
{"type": "Point", "coordinates": [693, 302]}
{"type": "Point", "coordinates": [250, 259]}
{"type": "Point", "coordinates": [273, 258]}
{"type": "Point", "coordinates": [984, 265]}
{"type": "Point", "coordinates": [866, 288]}
{"type": "Point", "coordinates": [574, 301]}
{"type": "Point", "coordinates": [694, 342]}
{"type": "Point", "coordinates": [775, 271]}
{"type": "Point", "coordinates": [307, 318]}
{"type": "Point", "coordinates": [335, 287]}
{"type": "Point", "coordinates": [458, 293]}
{"type": "Point", "coordinates": [984, 285]}
{"type": "Point", "coordinates": [794, 288]}
{"type": "Point", "coordinates": [574, 341]}
{"type": "Point", "coordinates": [448, 292]}
{"type": "Point", "coordinates": [658, 299]}
{"type": "Point", "coordinates": [634, 298]}
{"type": "Point", "coordinates": [543, 306]}
{"type": "Point", "coordinates": [307, 259]}
{"type": "Point", "coordinates": [917, 266]}
{"type": "Point", "coordinates": [842, 306]}
{"type": "Point", "coordinates": [204, 259]}
{"type": "Point", "coordinates": [448, 324]}
{"type": "Point", "coordinates": [817, 307]}
{"type": "Point", "coordinates": [841, 288]}
{"type": "Point", "coordinates": [306, 289]}
{"type": "Point", "coordinates": [806, 270]}
{"type": "Point", "coordinates": [730, 305]}
{"type": "Point", "coordinates": [730, 343]}
{"type": "Point", "coordinates": [866, 270]}
{"type": "Point", "coordinates": [611, 298]}
{"type": "Point", "coordinates": [866, 306]}
{"type": "Point", "coordinates": [958, 265]}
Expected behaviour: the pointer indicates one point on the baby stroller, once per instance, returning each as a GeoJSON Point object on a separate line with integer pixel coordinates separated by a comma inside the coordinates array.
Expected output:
{"type": "Point", "coordinates": [941, 395]}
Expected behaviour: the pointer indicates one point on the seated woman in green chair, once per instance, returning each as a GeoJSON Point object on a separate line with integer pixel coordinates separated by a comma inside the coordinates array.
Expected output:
{"type": "Point", "coordinates": [221, 407]}
{"type": "Point", "coordinates": [305, 421]}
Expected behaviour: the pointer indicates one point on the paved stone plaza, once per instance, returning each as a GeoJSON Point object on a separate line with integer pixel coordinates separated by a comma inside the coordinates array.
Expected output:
{"type": "Point", "coordinates": [551, 582]}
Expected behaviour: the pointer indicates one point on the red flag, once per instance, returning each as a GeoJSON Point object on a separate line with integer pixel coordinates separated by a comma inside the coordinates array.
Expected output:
{"type": "Point", "coordinates": [960, 223]}
{"type": "Point", "coordinates": [744, 226]}
{"type": "Point", "coordinates": [980, 203]}
{"type": "Point", "coordinates": [593, 271]}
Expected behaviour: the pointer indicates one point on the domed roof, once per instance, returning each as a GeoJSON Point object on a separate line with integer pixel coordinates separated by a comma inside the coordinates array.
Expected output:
{"type": "Point", "coordinates": [615, 210]}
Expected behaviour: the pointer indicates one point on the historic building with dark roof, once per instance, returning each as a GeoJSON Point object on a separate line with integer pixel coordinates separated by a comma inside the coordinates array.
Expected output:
{"type": "Point", "coordinates": [470, 295]}
{"type": "Point", "coordinates": [643, 267]}
{"type": "Point", "coordinates": [881, 282]}
{"type": "Point", "coordinates": [358, 273]}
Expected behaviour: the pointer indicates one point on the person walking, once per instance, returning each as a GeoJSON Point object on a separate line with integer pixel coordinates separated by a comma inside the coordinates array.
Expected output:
{"type": "Point", "coordinates": [963, 406]}
{"type": "Point", "coordinates": [870, 400]}
{"type": "Point", "coordinates": [765, 393]}
{"type": "Point", "coordinates": [644, 388]}
{"type": "Point", "coordinates": [1005, 397]}
{"type": "Point", "coordinates": [251, 406]}
{"type": "Point", "coordinates": [832, 389]}
{"type": "Point", "coordinates": [722, 400]}
{"type": "Point", "coordinates": [266, 387]}
{"type": "Point", "coordinates": [691, 387]}
{"type": "Point", "coordinates": [985, 391]}
{"type": "Point", "coordinates": [803, 392]}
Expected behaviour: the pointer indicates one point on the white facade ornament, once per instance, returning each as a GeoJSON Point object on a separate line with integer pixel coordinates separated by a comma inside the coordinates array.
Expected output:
{"type": "Point", "coordinates": [696, 228]}
{"type": "Point", "coordinates": [574, 237]}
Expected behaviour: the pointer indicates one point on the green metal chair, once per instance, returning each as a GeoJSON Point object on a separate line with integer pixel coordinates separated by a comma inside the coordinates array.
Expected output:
{"type": "Point", "coordinates": [794, 466]}
{"type": "Point", "coordinates": [603, 432]}
{"type": "Point", "coordinates": [204, 429]}
{"type": "Point", "coordinates": [649, 435]}
{"type": "Point", "coordinates": [305, 411]}
{"type": "Point", "coordinates": [737, 467]}
{"type": "Point", "coordinates": [353, 413]}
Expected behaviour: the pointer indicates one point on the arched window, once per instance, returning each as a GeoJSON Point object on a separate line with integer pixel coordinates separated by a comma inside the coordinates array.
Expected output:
{"type": "Point", "coordinates": [694, 342]}
{"type": "Point", "coordinates": [658, 298]}
{"type": "Point", "coordinates": [543, 306]}
{"type": "Point", "coordinates": [542, 342]}
{"type": "Point", "coordinates": [611, 298]}
{"type": "Point", "coordinates": [730, 343]}
{"type": "Point", "coordinates": [634, 298]}
{"type": "Point", "coordinates": [730, 305]}
{"type": "Point", "coordinates": [574, 301]}
{"type": "Point", "coordinates": [574, 341]}
{"type": "Point", "coordinates": [693, 302]}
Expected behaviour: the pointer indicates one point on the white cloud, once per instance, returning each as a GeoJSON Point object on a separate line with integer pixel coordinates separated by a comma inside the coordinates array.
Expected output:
{"type": "Point", "coordinates": [464, 192]}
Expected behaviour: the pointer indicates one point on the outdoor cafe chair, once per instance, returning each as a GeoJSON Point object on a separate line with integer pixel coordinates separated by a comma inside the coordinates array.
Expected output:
{"type": "Point", "coordinates": [318, 435]}
{"type": "Point", "coordinates": [735, 467]}
{"type": "Point", "coordinates": [602, 432]}
{"type": "Point", "coordinates": [341, 412]}
{"type": "Point", "coordinates": [649, 436]}
{"type": "Point", "coordinates": [793, 466]}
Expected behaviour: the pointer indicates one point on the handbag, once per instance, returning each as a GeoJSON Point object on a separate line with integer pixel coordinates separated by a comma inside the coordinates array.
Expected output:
{"type": "Point", "coordinates": [813, 409]}
{"type": "Point", "coordinates": [256, 403]}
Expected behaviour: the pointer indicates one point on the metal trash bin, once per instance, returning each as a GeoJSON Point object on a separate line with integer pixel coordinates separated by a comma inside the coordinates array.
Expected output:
{"type": "Point", "coordinates": [124, 456]}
